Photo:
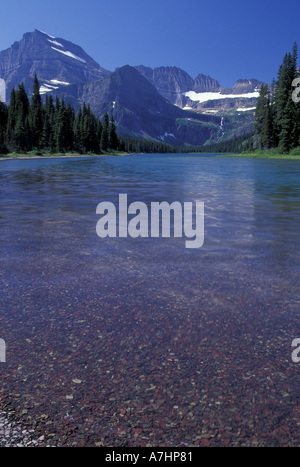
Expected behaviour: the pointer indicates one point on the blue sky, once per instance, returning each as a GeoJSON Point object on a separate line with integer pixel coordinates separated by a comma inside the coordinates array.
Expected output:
{"type": "Point", "coordinates": [227, 40]}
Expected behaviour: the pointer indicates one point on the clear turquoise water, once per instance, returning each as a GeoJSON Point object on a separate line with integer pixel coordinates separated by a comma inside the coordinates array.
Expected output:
{"type": "Point", "coordinates": [145, 324]}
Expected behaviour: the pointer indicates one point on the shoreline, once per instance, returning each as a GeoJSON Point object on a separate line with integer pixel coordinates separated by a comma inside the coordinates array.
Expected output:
{"type": "Point", "coordinates": [14, 433]}
{"type": "Point", "coordinates": [72, 156]}
{"type": "Point", "coordinates": [57, 156]}
{"type": "Point", "coordinates": [262, 156]}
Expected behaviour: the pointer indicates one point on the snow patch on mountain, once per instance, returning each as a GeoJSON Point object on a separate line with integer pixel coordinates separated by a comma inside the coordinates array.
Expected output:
{"type": "Point", "coordinates": [166, 135]}
{"type": "Point", "coordinates": [47, 88]}
{"type": "Point", "coordinates": [56, 81]}
{"type": "Point", "coordinates": [52, 37]}
{"type": "Point", "coordinates": [51, 85]}
{"type": "Point", "coordinates": [245, 109]}
{"type": "Point", "coordinates": [69, 54]}
{"type": "Point", "coordinates": [55, 43]}
{"type": "Point", "coordinates": [209, 96]}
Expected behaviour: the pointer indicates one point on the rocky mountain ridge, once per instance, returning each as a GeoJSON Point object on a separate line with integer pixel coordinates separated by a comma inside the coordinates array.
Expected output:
{"type": "Point", "coordinates": [56, 61]}
{"type": "Point", "coordinates": [181, 89]}
{"type": "Point", "coordinates": [164, 103]}
{"type": "Point", "coordinates": [140, 110]}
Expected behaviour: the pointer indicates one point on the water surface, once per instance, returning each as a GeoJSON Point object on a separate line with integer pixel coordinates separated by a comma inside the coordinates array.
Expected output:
{"type": "Point", "coordinates": [135, 342]}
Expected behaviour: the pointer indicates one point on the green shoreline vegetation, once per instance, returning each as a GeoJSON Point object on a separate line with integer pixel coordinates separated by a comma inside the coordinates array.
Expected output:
{"type": "Point", "coordinates": [273, 153]}
{"type": "Point", "coordinates": [258, 155]}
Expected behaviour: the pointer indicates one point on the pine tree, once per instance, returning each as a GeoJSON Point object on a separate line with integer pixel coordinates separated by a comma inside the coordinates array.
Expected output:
{"type": "Point", "coordinates": [93, 134]}
{"type": "Point", "coordinates": [84, 128]}
{"type": "Point", "coordinates": [287, 133]}
{"type": "Point", "coordinates": [68, 130]}
{"type": "Point", "coordinates": [36, 115]}
{"type": "Point", "coordinates": [89, 130]}
{"type": "Point", "coordinates": [285, 111]}
{"type": "Point", "coordinates": [112, 135]}
{"type": "Point", "coordinates": [267, 128]}
{"type": "Point", "coordinates": [77, 127]}
{"type": "Point", "coordinates": [3, 126]}
{"type": "Point", "coordinates": [22, 134]}
{"type": "Point", "coordinates": [48, 125]}
{"type": "Point", "coordinates": [261, 113]}
{"type": "Point", "coordinates": [12, 110]}
{"type": "Point", "coordinates": [60, 122]}
{"type": "Point", "coordinates": [22, 99]}
{"type": "Point", "coordinates": [99, 132]}
{"type": "Point", "coordinates": [104, 133]}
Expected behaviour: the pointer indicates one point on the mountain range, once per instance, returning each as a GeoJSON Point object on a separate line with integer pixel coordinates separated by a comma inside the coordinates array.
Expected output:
{"type": "Point", "coordinates": [165, 103]}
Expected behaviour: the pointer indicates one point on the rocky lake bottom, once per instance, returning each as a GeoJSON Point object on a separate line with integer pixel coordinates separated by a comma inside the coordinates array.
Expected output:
{"type": "Point", "coordinates": [141, 342]}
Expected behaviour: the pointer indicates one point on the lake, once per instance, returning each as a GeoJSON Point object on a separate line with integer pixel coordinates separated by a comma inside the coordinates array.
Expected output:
{"type": "Point", "coordinates": [141, 341]}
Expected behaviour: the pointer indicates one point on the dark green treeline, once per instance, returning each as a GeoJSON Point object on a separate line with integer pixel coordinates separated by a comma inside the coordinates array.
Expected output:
{"type": "Point", "coordinates": [277, 117]}
{"type": "Point", "coordinates": [54, 127]}
{"type": "Point", "coordinates": [29, 124]}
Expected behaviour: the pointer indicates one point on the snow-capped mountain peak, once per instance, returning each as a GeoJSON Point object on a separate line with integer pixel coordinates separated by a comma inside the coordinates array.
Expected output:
{"type": "Point", "coordinates": [52, 37]}
{"type": "Point", "coordinates": [56, 62]}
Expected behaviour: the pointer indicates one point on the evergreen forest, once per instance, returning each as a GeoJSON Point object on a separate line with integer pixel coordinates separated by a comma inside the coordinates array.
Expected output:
{"type": "Point", "coordinates": [277, 116]}
{"type": "Point", "coordinates": [53, 127]}
{"type": "Point", "coordinates": [29, 124]}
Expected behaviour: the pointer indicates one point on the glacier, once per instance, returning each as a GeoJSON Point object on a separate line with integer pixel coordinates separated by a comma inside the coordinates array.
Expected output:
{"type": "Point", "coordinates": [209, 96]}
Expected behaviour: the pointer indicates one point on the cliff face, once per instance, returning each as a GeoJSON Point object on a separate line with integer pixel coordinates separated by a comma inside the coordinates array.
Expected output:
{"type": "Point", "coordinates": [170, 82]}
{"type": "Point", "coordinates": [174, 83]}
{"type": "Point", "coordinates": [139, 110]}
{"type": "Point", "coordinates": [243, 86]}
{"type": "Point", "coordinates": [205, 83]}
